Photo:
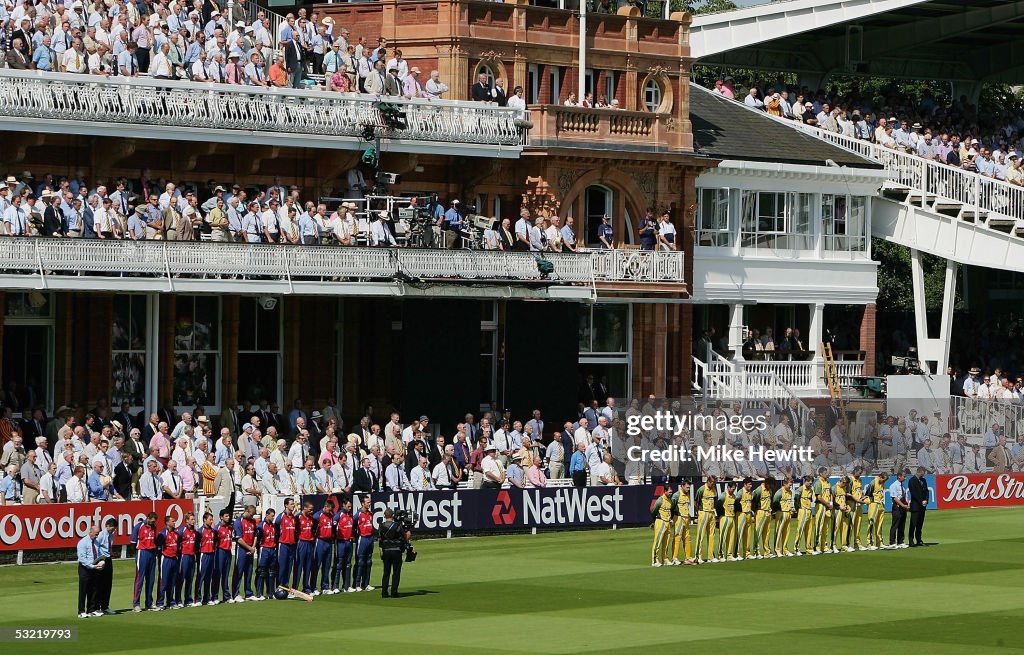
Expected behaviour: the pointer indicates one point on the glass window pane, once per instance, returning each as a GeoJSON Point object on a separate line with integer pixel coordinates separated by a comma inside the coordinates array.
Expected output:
{"type": "Point", "coordinates": [195, 379]}
{"type": "Point", "coordinates": [257, 376]}
{"type": "Point", "coordinates": [856, 228]}
{"type": "Point", "coordinates": [268, 329]}
{"type": "Point", "coordinates": [207, 318]}
{"type": "Point", "coordinates": [748, 210]}
{"type": "Point", "coordinates": [585, 330]}
{"type": "Point", "coordinates": [247, 323]}
{"type": "Point", "coordinates": [129, 379]}
{"type": "Point", "coordinates": [610, 328]}
{"type": "Point", "coordinates": [33, 303]}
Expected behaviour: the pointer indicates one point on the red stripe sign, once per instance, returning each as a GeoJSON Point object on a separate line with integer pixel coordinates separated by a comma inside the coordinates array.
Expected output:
{"type": "Point", "coordinates": [979, 490]}
{"type": "Point", "coordinates": [39, 527]}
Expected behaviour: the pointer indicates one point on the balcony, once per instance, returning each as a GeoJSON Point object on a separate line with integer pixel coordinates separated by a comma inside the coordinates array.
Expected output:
{"type": "Point", "coordinates": [576, 127]}
{"type": "Point", "coordinates": [207, 267]}
{"type": "Point", "coordinates": [34, 101]}
{"type": "Point", "coordinates": [727, 379]}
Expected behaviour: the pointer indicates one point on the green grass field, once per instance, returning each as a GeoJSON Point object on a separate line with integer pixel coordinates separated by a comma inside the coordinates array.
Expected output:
{"type": "Point", "coordinates": [593, 592]}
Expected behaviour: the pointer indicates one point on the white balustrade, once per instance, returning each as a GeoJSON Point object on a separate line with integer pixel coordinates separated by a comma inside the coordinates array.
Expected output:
{"type": "Point", "coordinates": [799, 375]}
{"type": "Point", "coordinates": [941, 180]}
{"type": "Point", "coordinates": [42, 256]}
{"type": "Point", "coordinates": [150, 102]}
{"type": "Point", "coordinates": [846, 371]}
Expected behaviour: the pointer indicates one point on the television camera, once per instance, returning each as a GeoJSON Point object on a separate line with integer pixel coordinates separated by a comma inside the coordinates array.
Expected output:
{"type": "Point", "coordinates": [407, 519]}
{"type": "Point", "coordinates": [907, 364]}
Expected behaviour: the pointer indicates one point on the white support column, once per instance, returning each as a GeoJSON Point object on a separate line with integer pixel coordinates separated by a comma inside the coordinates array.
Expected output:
{"type": "Point", "coordinates": [948, 303]}
{"type": "Point", "coordinates": [929, 349]}
{"type": "Point", "coordinates": [815, 329]}
{"type": "Point", "coordinates": [737, 332]}
{"type": "Point", "coordinates": [152, 352]}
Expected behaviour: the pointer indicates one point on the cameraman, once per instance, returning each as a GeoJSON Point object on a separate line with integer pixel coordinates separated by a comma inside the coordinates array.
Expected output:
{"type": "Point", "coordinates": [394, 539]}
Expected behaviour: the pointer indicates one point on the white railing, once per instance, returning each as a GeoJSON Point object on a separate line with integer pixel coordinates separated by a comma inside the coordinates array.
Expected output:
{"type": "Point", "coordinates": [945, 182]}
{"type": "Point", "coordinates": [639, 265]}
{"type": "Point", "coordinates": [974, 418]}
{"type": "Point", "coordinates": [799, 375]}
{"type": "Point", "coordinates": [276, 20]}
{"type": "Point", "coordinates": [847, 370]}
{"type": "Point", "coordinates": [147, 102]}
{"type": "Point", "coordinates": [42, 257]}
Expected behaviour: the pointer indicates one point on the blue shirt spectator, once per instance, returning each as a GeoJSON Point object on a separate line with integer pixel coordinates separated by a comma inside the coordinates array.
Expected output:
{"type": "Point", "coordinates": [104, 542]}
{"type": "Point", "coordinates": [897, 490]}
{"type": "Point", "coordinates": [605, 230]}
{"type": "Point", "coordinates": [577, 463]}
{"type": "Point", "coordinates": [88, 551]}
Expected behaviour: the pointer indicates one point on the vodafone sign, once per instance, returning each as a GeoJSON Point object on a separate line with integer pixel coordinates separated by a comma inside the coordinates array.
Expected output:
{"type": "Point", "coordinates": [980, 490]}
{"type": "Point", "coordinates": [38, 527]}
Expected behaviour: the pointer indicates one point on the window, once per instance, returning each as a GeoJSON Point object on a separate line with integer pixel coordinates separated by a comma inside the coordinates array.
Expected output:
{"type": "Point", "coordinates": [652, 95]}
{"type": "Point", "coordinates": [196, 351]}
{"type": "Point", "coordinates": [259, 351]}
{"type": "Point", "coordinates": [128, 351]}
{"type": "Point", "coordinates": [484, 69]}
{"type": "Point", "coordinates": [604, 344]}
{"type": "Point", "coordinates": [603, 329]}
{"type": "Point", "coordinates": [610, 86]}
{"type": "Point", "coordinates": [843, 222]}
{"type": "Point", "coordinates": [713, 217]}
{"type": "Point", "coordinates": [532, 84]}
{"type": "Point", "coordinates": [488, 352]}
{"type": "Point", "coordinates": [776, 220]}
{"type": "Point", "coordinates": [598, 203]}
{"type": "Point", "coordinates": [555, 77]}
{"type": "Point", "coordinates": [590, 78]}
{"type": "Point", "coordinates": [32, 304]}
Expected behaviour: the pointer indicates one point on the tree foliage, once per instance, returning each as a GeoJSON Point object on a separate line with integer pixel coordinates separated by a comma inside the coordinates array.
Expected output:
{"type": "Point", "coordinates": [895, 279]}
{"type": "Point", "coordinates": [702, 6]}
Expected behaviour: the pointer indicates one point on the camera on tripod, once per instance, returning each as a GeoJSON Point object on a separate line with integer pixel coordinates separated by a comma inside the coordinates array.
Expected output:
{"type": "Point", "coordinates": [907, 364]}
{"type": "Point", "coordinates": [407, 519]}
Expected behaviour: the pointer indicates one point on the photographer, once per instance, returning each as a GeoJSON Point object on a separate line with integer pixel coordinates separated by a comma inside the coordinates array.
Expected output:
{"type": "Point", "coordinates": [394, 540]}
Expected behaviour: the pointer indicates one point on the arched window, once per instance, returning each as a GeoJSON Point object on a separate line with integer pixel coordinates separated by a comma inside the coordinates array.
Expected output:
{"type": "Point", "coordinates": [652, 95]}
{"type": "Point", "coordinates": [484, 69]}
{"type": "Point", "coordinates": [597, 203]}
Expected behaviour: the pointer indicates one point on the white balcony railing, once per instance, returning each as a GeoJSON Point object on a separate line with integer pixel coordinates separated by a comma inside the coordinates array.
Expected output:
{"type": "Point", "coordinates": [798, 375]}
{"type": "Point", "coordinates": [42, 257]}
{"type": "Point", "coordinates": [941, 180]}
{"type": "Point", "coordinates": [148, 102]}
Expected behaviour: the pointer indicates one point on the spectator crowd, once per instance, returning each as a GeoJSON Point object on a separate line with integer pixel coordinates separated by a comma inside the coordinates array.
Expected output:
{"type": "Point", "coordinates": [147, 208]}
{"type": "Point", "coordinates": [951, 132]}
{"type": "Point", "coordinates": [205, 42]}
{"type": "Point", "coordinates": [255, 455]}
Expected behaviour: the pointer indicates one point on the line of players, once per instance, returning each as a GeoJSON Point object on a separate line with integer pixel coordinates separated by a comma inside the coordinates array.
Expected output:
{"type": "Point", "coordinates": [194, 563]}
{"type": "Point", "coordinates": [746, 523]}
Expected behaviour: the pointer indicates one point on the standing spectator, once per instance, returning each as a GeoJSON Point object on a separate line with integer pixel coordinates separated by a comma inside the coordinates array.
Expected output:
{"type": "Point", "coordinates": [89, 564]}
{"type": "Point", "coordinates": [105, 574]}
{"type": "Point", "coordinates": [30, 477]}
{"type": "Point", "coordinates": [918, 506]}
{"type": "Point", "coordinates": [900, 505]}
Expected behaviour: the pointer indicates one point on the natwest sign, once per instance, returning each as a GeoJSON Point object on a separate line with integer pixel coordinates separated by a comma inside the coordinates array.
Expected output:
{"type": "Point", "coordinates": [37, 527]}
{"type": "Point", "coordinates": [979, 490]}
{"type": "Point", "coordinates": [469, 510]}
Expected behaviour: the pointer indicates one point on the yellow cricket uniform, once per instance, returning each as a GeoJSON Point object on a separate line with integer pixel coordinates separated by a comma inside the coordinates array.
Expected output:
{"type": "Point", "coordinates": [662, 514]}
{"type": "Point", "coordinates": [805, 519]}
{"type": "Point", "coordinates": [762, 521]}
{"type": "Point", "coordinates": [727, 527]}
{"type": "Point", "coordinates": [842, 515]}
{"type": "Point", "coordinates": [876, 512]}
{"type": "Point", "coordinates": [746, 528]}
{"type": "Point", "coordinates": [823, 514]}
{"type": "Point", "coordinates": [707, 521]}
{"type": "Point", "coordinates": [681, 506]}
{"type": "Point", "coordinates": [857, 491]}
{"type": "Point", "coordinates": [785, 498]}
